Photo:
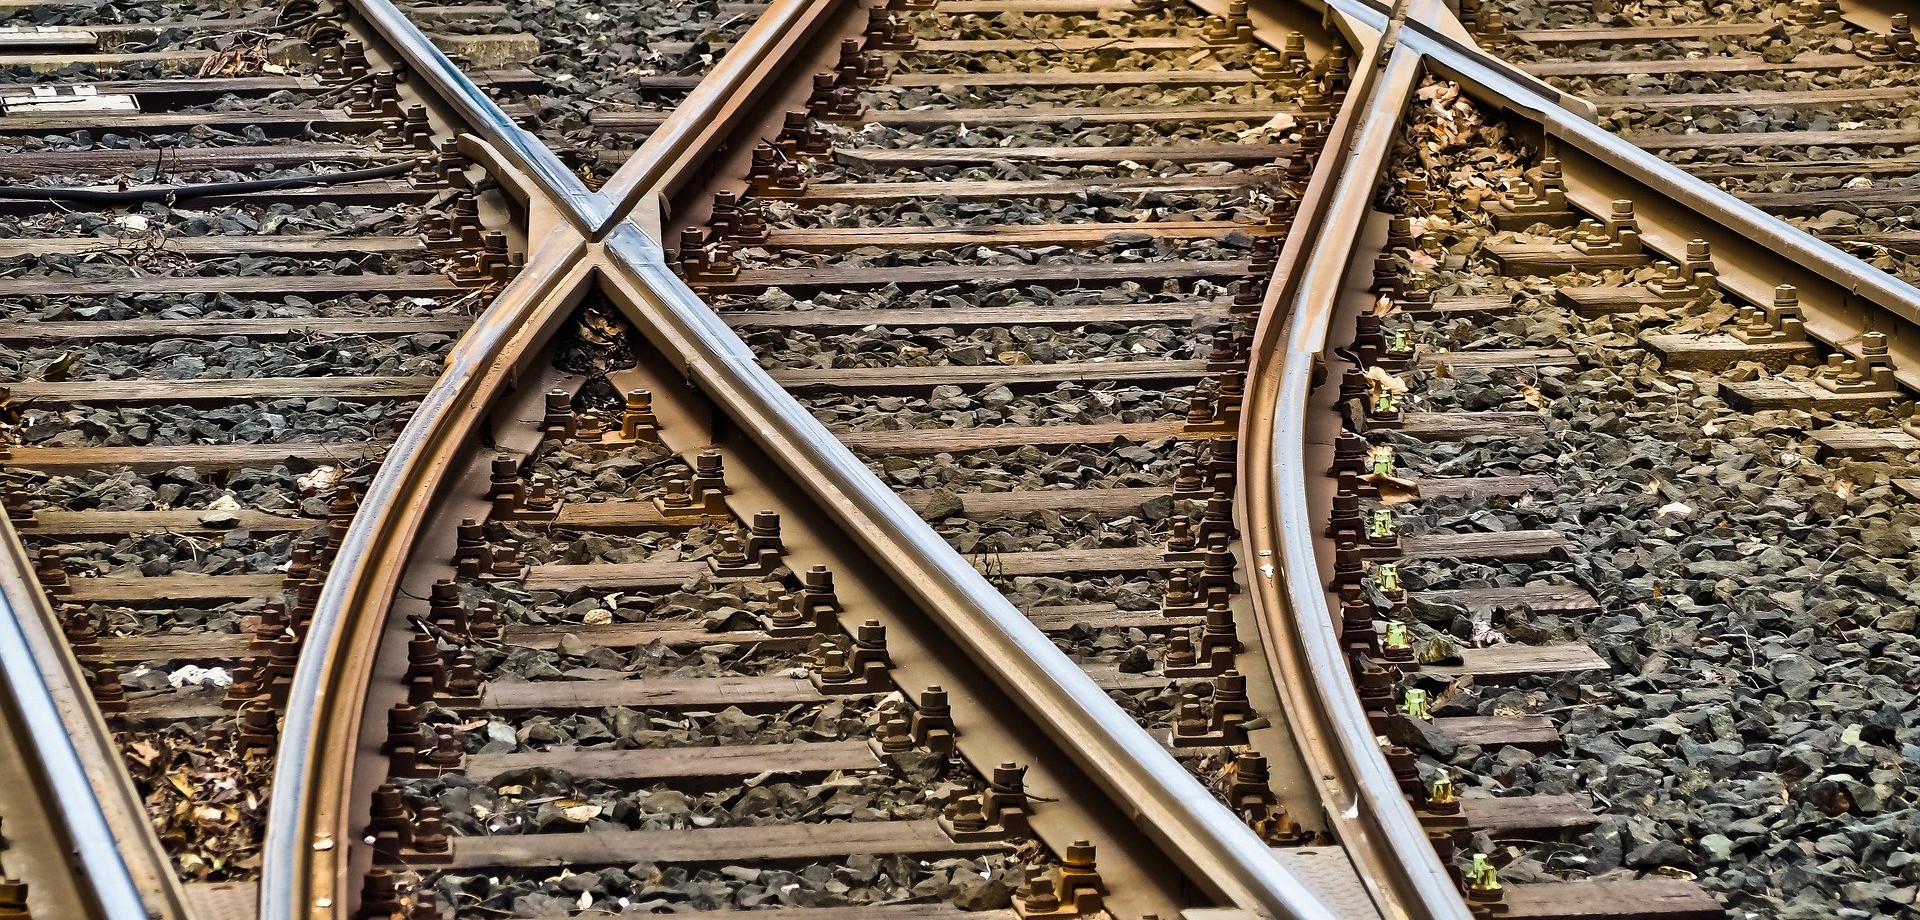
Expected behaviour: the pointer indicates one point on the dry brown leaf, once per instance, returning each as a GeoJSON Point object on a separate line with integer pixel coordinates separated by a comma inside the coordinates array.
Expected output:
{"type": "Point", "coordinates": [1379, 381]}
{"type": "Point", "coordinates": [143, 752]}
{"type": "Point", "coordinates": [1394, 490]}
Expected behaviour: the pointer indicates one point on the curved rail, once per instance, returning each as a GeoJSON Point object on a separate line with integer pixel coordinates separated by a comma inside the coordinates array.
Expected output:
{"type": "Point", "coordinates": [305, 841]}
{"type": "Point", "coordinates": [720, 99]}
{"type": "Point", "coordinates": [583, 209]}
{"type": "Point", "coordinates": [1374, 822]}
{"type": "Point", "coordinates": [1165, 800]}
{"type": "Point", "coordinates": [1840, 292]}
{"type": "Point", "coordinates": [1377, 828]}
{"type": "Point", "coordinates": [1364, 803]}
{"type": "Point", "coordinates": [313, 772]}
{"type": "Point", "coordinates": [102, 817]}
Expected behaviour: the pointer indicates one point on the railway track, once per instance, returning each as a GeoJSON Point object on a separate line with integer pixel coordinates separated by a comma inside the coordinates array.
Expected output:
{"type": "Point", "coordinates": [238, 250]}
{"type": "Point", "coordinates": [872, 460]}
{"type": "Point", "coordinates": [1796, 111]}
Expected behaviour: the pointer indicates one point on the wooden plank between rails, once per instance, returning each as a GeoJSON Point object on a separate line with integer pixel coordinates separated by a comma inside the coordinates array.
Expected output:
{"type": "Point", "coordinates": [835, 239]}
{"type": "Point", "coordinates": [1529, 731]}
{"type": "Point", "coordinates": [1091, 115]}
{"type": "Point", "coordinates": [1152, 621]}
{"type": "Point", "coordinates": [1814, 202]}
{"type": "Point", "coordinates": [151, 91]}
{"type": "Point", "coordinates": [1512, 661]}
{"type": "Point", "coordinates": [252, 327]}
{"type": "Point", "coordinates": [204, 89]}
{"type": "Point", "coordinates": [1522, 257]}
{"type": "Point", "coordinates": [1648, 898]}
{"type": "Point", "coordinates": [1849, 167]}
{"type": "Point", "coordinates": [609, 576]}
{"type": "Point", "coordinates": [782, 843]}
{"type": "Point", "coordinates": [281, 123]}
{"type": "Point", "coordinates": [206, 25]}
{"type": "Point", "coordinates": [1529, 817]}
{"type": "Point", "coordinates": [733, 760]}
{"type": "Point", "coordinates": [957, 7]}
{"type": "Point", "coordinates": [1510, 545]}
{"type": "Point", "coordinates": [1069, 78]}
{"type": "Point", "coordinates": [1760, 99]}
{"type": "Point", "coordinates": [142, 589]}
{"type": "Point", "coordinates": [237, 285]}
{"type": "Point", "coordinates": [637, 122]}
{"type": "Point", "coordinates": [927, 441]}
{"type": "Point", "coordinates": [660, 693]}
{"type": "Point", "coordinates": [1492, 358]}
{"type": "Point", "coordinates": [988, 505]}
{"type": "Point", "coordinates": [1461, 426]}
{"type": "Point", "coordinates": [924, 378]}
{"type": "Point", "coordinates": [874, 193]}
{"type": "Point", "coordinates": [1541, 598]}
{"type": "Point", "coordinates": [671, 633]}
{"type": "Point", "coordinates": [226, 646]}
{"type": "Point", "coordinates": [178, 61]}
{"type": "Point", "coordinates": [1450, 487]}
{"type": "Point", "coordinates": [1074, 43]}
{"type": "Point", "coordinates": [1857, 137]}
{"type": "Point", "coordinates": [220, 390]}
{"type": "Point", "coordinates": [76, 523]}
{"type": "Point", "coordinates": [189, 704]}
{"type": "Point", "coordinates": [372, 193]}
{"type": "Point", "coordinates": [970, 318]}
{"type": "Point", "coordinates": [840, 277]}
{"type": "Point", "coordinates": [1078, 561]}
{"type": "Point", "coordinates": [205, 457]}
{"type": "Point", "coordinates": [1633, 34]}
{"type": "Point", "coordinates": [884, 158]}
{"type": "Point", "coordinates": [622, 516]}
{"type": "Point", "coordinates": [30, 163]}
{"type": "Point", "coordinates": [1689, 65]}
{"type": "Point", "coordinates": [880, 912]}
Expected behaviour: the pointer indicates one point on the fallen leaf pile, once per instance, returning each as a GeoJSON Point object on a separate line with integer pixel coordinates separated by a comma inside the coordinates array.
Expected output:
{"type": "Point", "coordinates": [207, 801]}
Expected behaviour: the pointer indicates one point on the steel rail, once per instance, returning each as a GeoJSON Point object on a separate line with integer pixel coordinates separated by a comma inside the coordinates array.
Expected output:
{"type": "Point", "coordinates": [1133, 767]}
{"type": "Point", "coordinates": [354, 603]}
{"type": "Point", "coordinates": [304, 866]}
{"type": "Point", "coordinates": [1212, 843]}
{"type": "Point", "coordinates": [583, 209]}
{"type": "Point", "coordinates": [1375, 824]}
{"type": "Point", "coordinates": [1369, 814]}
{"type": "Point", "coordinates": [303, 872]}
{"type": "Point", "coordinates": [111, 845]}
{"type": "Point", "coordinates": [319, 740]}
{"type": "Point", "coordinates": [715, 107]}
{"type": "Point", "coordinates": [129, 873]}
{"type": "Point", "coordinates": [1842, 297]}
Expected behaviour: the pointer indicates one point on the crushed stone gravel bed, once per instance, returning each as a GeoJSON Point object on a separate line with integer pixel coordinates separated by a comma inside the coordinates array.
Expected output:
{"type": "Point", "coordinates": [1755, 731]}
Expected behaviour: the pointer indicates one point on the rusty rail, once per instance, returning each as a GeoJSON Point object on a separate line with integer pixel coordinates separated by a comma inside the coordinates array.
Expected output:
{"type": "Point", "coordinates": [306, 871]}
{"type": "Point", "coordinates": [1135, 770]}
{"type": "Point", "coordinates": [304, 876]}
{"type": "Point", "coordinates": [124, 872]}
{"type": "Point", "coordinates": [1364, 804]}
{"type": "Point", "coordinates": [582, 208]}
{"type": "Point", "coordinates": [1843, 296]}
{"type": "Point", "coordinates": [714, 107]}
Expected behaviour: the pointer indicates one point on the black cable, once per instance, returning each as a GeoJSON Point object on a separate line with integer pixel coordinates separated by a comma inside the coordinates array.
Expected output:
{"type": "Point", "coordinates": [111, 197]}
